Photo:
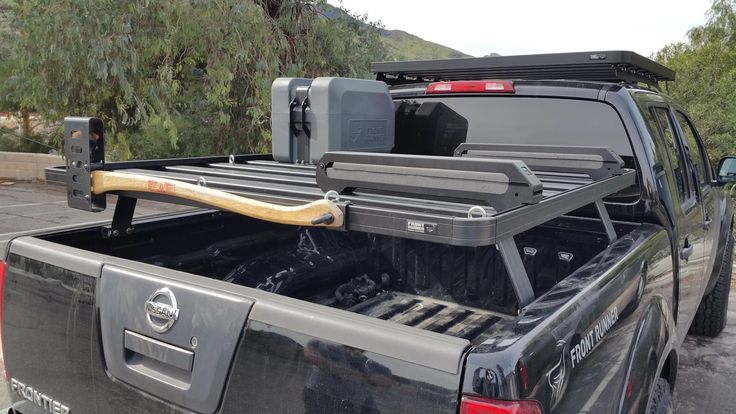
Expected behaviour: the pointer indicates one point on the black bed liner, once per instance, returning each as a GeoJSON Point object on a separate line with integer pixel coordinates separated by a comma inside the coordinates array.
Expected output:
{"type": "Point", "coordinates": [430, 314]}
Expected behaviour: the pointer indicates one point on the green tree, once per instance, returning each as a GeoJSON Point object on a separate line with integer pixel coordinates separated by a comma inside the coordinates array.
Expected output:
{"type": "Point", "coordinates": [706, 77]}
{"type": "Point", "coordinates": [178, 77]}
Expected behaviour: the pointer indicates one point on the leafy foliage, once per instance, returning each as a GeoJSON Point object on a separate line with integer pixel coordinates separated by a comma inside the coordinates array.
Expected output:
{"type": "Point", "coordinates": [178, 77]}
{"type": "Point", "coordinates": [706, 77]}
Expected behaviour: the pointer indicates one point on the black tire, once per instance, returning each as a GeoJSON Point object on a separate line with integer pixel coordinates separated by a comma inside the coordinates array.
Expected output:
{"type": "Point", "coordinates": [662, 402]}
{"type": "Point", "coordinates": [710, 319]}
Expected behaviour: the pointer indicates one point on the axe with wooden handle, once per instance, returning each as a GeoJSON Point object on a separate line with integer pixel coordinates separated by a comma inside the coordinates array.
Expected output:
{"type": "Point", "coordinates": [323, 213]}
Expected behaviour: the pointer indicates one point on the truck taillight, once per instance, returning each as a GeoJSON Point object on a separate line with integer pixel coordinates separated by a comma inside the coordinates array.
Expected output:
{"type": "Point", "coordinates": [477, 405]}
{"type": "Point", "coordinates": [3, 266]}
{"type": "Point", "coordinates": [486, 86]}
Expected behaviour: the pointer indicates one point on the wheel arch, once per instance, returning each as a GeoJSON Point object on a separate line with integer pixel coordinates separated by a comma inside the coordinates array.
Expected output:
{"type": "Point", "coordinates": [651, 356]}
{"type": "Point", "coordinates": [669, 368]}
{"type": "Point", "coordinates": [724, 232]}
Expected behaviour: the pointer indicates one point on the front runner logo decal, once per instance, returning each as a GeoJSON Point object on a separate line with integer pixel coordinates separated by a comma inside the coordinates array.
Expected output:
{"type": "Point", "coordinates": [557, 376]}
{"type": "Point", "coordinates": [586, 344]}
{"type": "Point", "coordinates": [420, 227]}
{"type": "Point", "coordinates": [40, 399]}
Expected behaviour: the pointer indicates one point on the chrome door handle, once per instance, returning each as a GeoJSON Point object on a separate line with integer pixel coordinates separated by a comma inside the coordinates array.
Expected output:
{"type": "Point", "coordinates": [686, 251]}
{"type": "Point", "coordinates": [706, 223]}
{"type": "Point", "coordinates": [142, 350]}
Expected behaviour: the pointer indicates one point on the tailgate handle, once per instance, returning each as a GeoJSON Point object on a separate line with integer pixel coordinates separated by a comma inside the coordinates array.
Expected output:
{"type": "Point", "coordinates": [159, 351]}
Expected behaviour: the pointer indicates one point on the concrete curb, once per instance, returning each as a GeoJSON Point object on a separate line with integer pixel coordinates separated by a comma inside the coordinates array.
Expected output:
{"type": "Point", "coordinates": [22, 166]}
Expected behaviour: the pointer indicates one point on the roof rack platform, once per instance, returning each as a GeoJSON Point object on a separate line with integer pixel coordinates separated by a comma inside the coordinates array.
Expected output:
{"type": "Point", "coordinates": [605, 66]}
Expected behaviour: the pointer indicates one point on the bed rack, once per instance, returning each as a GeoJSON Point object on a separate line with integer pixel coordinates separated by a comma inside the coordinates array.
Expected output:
{"type": "Point", "coordinates": [484, 195]}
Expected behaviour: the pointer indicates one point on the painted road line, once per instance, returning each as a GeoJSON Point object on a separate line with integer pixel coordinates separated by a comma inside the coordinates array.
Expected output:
{"type": "Point", "coordinates": [33, 204]}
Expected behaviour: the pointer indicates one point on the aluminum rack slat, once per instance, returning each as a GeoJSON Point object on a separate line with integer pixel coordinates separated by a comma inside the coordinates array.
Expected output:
{"type": "Point", "coordinates": [225, 173]}
{"type": "Point", "coordinates": [266, 168]}
{"type": "Point", "coordinates": [285, 165]}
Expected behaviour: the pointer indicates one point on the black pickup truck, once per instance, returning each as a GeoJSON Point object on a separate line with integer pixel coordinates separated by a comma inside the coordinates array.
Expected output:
{"type": "Point", "coordinates": [539, 243]}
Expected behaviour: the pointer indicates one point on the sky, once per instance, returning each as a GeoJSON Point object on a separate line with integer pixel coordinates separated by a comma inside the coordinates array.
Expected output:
{"type": "Point", "coordinates": [514, 27]}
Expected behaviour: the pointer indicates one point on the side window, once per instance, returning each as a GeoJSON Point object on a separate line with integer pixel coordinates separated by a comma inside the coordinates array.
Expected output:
{"type": "Point", "coordinates": [695, 149]}
{"type": "Point", "coordinates": [673, 150]}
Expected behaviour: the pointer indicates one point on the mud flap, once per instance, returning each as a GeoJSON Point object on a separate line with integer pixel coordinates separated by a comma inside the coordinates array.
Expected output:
{"type": "Point", "coordinates": [167, 338]}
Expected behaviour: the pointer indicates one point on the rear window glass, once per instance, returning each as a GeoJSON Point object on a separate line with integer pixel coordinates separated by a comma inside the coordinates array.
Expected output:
{"type": "Point", "coordinates": [534, 120]}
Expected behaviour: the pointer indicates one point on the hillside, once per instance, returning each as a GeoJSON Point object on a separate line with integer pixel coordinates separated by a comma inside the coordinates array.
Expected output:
{"type": "Point", "coordinates": [406, 46]}
{"type": "Point", "coordinates": [400, 45]}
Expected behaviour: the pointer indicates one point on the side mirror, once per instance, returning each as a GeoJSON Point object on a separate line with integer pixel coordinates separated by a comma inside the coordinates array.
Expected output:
{"type": "Point", "coordinates": [727, 170]}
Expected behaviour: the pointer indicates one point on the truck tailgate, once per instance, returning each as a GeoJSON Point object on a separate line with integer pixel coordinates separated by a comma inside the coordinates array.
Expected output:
{"type": "Point", "coordinates": [95, 333]}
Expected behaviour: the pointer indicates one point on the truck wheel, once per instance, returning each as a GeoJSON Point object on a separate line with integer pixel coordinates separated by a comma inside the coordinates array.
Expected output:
{"type": "Point", "coordinates": [712, 312]}
{"type": "Point", "coordinates": [662, 402]}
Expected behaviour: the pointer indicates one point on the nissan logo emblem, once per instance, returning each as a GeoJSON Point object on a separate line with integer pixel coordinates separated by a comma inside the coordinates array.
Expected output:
{"type": "Point", "coordinates": [161, 310]}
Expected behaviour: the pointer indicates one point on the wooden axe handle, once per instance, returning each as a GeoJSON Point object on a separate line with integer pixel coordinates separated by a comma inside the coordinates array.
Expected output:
{"type": "Point", "coordinates": [311, 214]}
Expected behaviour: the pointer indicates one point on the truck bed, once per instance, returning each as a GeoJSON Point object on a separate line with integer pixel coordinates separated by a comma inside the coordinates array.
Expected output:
{"type": "Point", "coordinates": [457, 291]}
{"type": "Point", "coordinates": [291, 305]}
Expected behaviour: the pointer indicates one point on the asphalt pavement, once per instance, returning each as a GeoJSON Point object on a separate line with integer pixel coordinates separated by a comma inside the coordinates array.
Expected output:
{"type": "Point", "coordinates": [31, 206]}
{"type": "Point", "coordinates": [706, 378]}
{"type": "Point", "coordinates": [707, 369]}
